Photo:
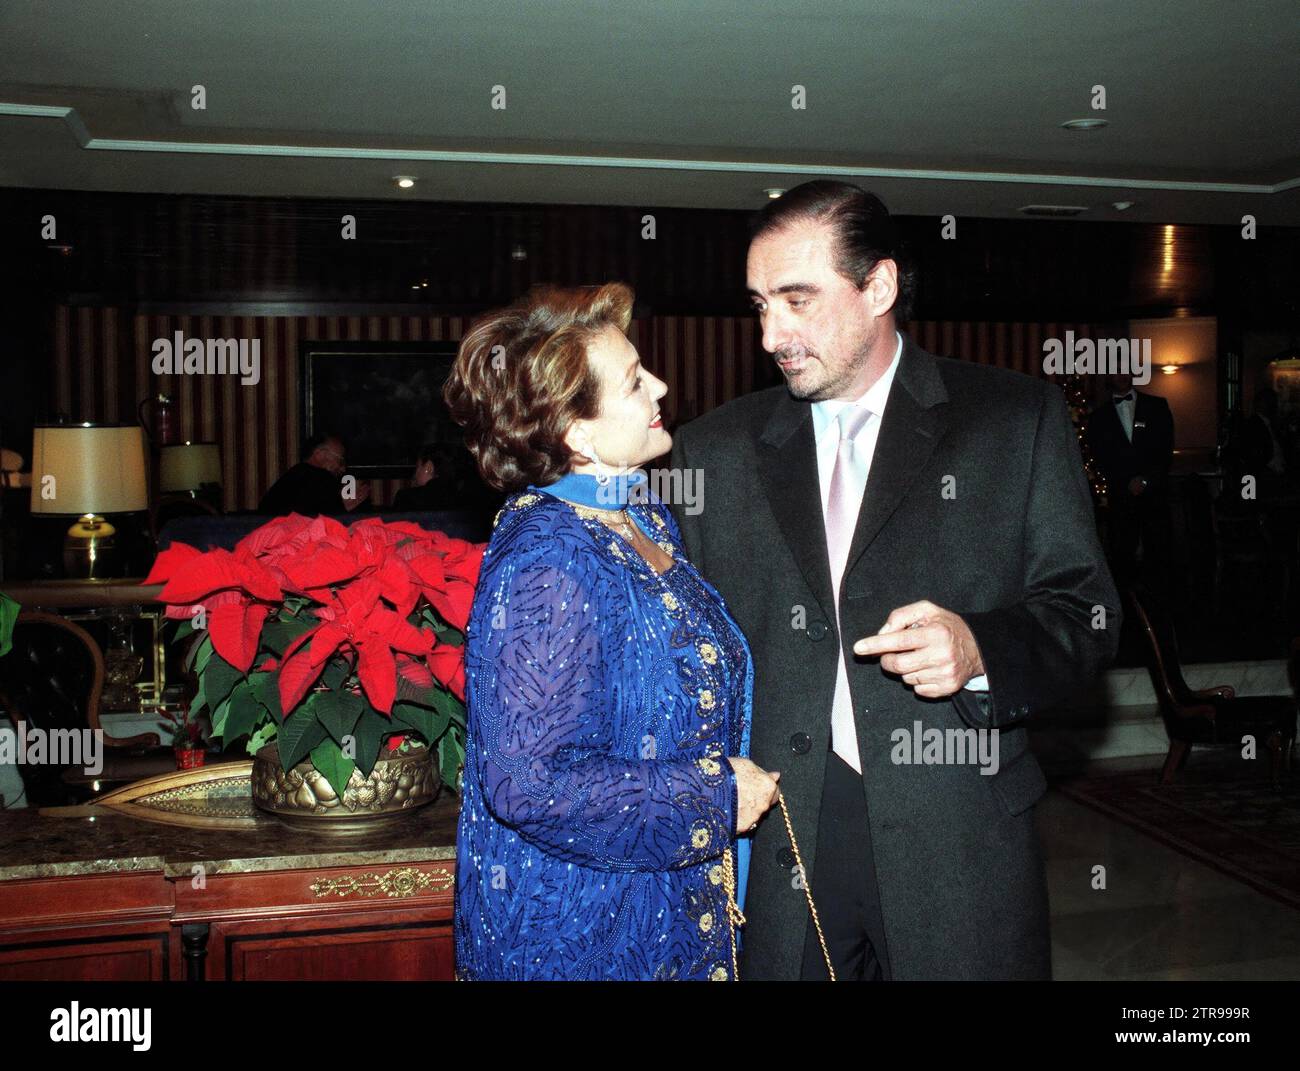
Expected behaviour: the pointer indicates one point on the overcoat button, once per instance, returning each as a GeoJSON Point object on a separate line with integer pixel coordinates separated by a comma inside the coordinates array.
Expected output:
{"type": "Point", "coordinates": [817, 630]}
{"type": "Point", "coordinates": [801, 743]}
{"type": "Point", "coordinates": [786, 858]}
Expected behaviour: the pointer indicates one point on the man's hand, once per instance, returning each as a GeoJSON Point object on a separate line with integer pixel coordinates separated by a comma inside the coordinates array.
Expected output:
{"type": "Point", "coordinates": [931, 647]}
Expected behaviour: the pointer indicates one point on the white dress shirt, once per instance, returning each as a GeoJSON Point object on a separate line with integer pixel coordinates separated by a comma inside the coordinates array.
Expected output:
{"type": "Point", "coordinates": [825, 432]}
{"type": "Point", "coordinates": [1127, 410]}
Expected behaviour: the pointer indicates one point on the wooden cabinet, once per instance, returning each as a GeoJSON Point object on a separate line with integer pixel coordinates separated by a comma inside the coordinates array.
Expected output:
{"type": "Point", "coordinates": [123, 900]}
{"type": "Point", "coordinates": [390, 922]}
{"type": "Point", "coordinates": [113, 927]}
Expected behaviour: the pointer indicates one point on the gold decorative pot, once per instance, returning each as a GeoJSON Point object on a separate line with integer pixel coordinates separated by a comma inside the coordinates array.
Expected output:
{"type": "Point", "coordinates": [303, 797]}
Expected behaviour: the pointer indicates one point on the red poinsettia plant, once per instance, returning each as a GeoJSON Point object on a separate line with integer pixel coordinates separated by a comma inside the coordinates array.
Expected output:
{"type": "Point", "coordinates": [331, 640]}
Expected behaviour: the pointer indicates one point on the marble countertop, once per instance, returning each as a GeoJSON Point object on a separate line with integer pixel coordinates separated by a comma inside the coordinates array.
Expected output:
{"type": "Point", "coordinates": [40, 846]}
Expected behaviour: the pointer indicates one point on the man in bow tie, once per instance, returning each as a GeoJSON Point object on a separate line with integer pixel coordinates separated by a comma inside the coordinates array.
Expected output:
{"type": "Point", "coordinates": [1132, 440]}
{"type": "Point", "coordinates": [908, 544]}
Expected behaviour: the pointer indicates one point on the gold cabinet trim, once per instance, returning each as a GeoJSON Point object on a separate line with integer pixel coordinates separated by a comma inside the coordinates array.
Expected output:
{"type": "Point", "coordinates": [395, 883]}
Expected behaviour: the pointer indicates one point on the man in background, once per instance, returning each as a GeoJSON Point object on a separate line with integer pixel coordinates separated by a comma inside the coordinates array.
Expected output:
{"type": "Point", "coordinates": [1132, 440]}
{"type": "Point", "coordinates": [315, 485]}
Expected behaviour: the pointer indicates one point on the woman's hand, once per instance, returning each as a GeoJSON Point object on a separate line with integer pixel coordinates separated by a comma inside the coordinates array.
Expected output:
{"type": "Point", "coordinates": [756, 791]}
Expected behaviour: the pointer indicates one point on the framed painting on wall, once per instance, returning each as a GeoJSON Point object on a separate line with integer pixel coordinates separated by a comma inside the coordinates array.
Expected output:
{"type": "Point", "coordinates": [383, 398]}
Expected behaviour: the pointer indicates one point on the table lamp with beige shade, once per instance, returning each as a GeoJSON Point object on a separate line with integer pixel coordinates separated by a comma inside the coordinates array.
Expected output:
{"type": "Point", "coordinates": [87, 470]}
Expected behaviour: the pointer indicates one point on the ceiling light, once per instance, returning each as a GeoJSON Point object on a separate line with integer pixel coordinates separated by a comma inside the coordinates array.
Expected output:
{"type": "Point", "coordinates": [1169, 369]}
{"type": "Point", "coordinates": [1052, 211]}
{"type": "Point", "coordinates": [773, 193]}
{"type": "Point", "coordinates": [1121, 206]}
{"type": "Point", "coordinates": [519, 253]}
{"type": "Point", "coordinates": [1084, 124]}
{"type": "Point", "coordinates": [403, 182]}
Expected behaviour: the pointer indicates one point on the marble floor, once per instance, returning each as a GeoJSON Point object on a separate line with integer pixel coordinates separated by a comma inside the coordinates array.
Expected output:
{"type": "Point", "coordinates": [1162, 915]}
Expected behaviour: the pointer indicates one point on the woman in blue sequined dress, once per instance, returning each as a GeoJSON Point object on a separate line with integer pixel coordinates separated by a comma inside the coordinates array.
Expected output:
{"type": "Point", "coordinates": [608, 688]}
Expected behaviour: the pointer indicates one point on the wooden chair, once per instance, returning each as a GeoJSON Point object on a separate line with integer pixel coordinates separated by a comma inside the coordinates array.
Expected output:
{"type": "Point", "coordinates": [52, 680]}
{"type": "Point", "coordinates": [1210, 717]}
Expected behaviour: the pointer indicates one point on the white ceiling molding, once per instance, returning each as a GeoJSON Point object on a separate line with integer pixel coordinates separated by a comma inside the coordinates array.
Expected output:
{"type": "Point", "coordinates": [86, 140]}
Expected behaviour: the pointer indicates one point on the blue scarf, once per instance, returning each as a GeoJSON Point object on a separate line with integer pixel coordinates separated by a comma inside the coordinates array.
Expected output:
{"type": "Point", "coordinates": [623, 488]}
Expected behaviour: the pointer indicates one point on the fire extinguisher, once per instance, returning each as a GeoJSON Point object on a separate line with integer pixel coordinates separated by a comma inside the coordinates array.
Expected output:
{"type": "Point", "coordinates": [160, 424]}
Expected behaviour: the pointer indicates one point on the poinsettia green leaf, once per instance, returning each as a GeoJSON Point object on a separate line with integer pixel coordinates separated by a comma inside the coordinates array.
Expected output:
{"type": "Point", "coordinates": [265, 688]}
{"type": "Point", "coordinates": [430, 724]}
{"type": "Point", "coordinates": [196, 658]}
{"type": "Point", "coordinates": [338, 712]}
{"type": "Point", "coordinates": [332, 764]}
{"type": "Point", "coordinates": [368, 736]}
{"type": "Point", "coordinates": [451, 759]}
{"type": "Point", "coordinates": [219, 680]}
{"type": "Point", "coordinates": [184, 629]}
{"type": "Point", "coordinates": [219, 718]}
{"type": "Point", "coordinates": [262, 736]}
{"type": "Point", "coordinates": [336, 672]}
{"type": "Point", "coordinates": [447, 704]}
{"type": "Point", "coordinates": [244, 714]}
{"type": "Point", "coordinates": [299, 733]}
{"type": "Point", "coordinates": [278, 634]}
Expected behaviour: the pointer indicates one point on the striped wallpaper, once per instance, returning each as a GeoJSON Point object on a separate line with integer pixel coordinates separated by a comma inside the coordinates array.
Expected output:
{"type": "Point", "coordinates": [102, 371]}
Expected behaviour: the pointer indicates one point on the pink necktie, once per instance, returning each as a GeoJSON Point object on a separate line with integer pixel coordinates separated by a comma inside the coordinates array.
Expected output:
{"type": "Point", "coordinates": [842, 506]}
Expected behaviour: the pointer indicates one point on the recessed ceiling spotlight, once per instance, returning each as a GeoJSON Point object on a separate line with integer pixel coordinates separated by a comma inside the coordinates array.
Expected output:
{"type": "Point", "coordinates": [519, 253]}
{"type": "Point", "coordinates": [1121, 206]}
{"type": "Point", "coordinates": [773, 193]}
{"type": "Point", "coordinates": [403, 182]}
{"type": "Point", "coordinates": [1084, 124]}
{"type": "Point", "coordinates": [1063, 211]}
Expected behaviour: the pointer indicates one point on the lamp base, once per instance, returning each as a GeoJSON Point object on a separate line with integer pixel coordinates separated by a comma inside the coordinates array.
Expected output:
{"type": "Point", "coordinates": [89, 549]}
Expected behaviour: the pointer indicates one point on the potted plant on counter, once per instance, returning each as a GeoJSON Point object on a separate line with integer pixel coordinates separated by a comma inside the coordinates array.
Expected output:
{"type": "Point", "coordinates": [338, 652]}
{"type": "Point", "coordinates": [187, 736]}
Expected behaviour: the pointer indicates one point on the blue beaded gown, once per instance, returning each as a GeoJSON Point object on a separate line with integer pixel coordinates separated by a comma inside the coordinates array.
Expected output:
{"type": "Point", "coordinates": [597, 800]}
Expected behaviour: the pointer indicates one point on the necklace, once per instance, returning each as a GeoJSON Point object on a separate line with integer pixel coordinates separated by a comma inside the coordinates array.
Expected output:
{"type": "Point", "coordinates": [619, 521]}
{"type": "Point", "coordinates": [612, 518]}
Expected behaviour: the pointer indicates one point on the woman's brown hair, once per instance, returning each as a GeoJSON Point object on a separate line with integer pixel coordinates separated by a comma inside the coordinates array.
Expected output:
{"type": "Point", "coordinates": [521, 377]}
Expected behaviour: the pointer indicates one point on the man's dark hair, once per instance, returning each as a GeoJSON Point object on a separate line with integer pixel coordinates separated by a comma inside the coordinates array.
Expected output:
{"type": "Point", "coordinates": [864, 233]}
{"type": "Point", "coordinates": [311, 443]}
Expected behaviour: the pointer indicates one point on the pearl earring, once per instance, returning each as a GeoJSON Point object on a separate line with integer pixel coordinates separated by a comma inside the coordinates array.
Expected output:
{"type": "Point", "coordinates": [602, 473]}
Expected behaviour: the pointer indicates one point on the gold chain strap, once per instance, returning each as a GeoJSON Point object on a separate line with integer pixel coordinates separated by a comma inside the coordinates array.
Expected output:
{"type": "Point", "coordinates": [736, 918]}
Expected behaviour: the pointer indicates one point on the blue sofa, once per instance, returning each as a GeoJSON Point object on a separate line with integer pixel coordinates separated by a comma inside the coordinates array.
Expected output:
{"type": "Point", "coordinates": [228, 529]}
